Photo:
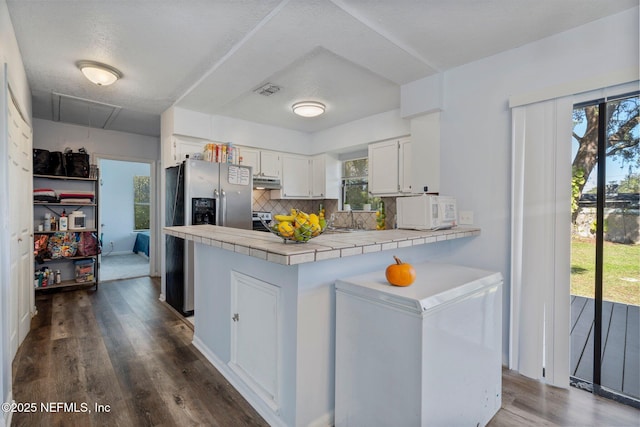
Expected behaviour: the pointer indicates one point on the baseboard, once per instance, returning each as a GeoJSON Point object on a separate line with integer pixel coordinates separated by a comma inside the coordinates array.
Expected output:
{"type": "Point", "coordinates": [122, 253]}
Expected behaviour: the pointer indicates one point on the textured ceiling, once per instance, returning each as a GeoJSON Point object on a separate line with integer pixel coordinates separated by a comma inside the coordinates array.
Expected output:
{"type": "Point", "coordinates": [209, 55]}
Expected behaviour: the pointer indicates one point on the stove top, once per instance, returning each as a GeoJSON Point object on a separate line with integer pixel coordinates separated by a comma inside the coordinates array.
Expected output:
{"type": "Point", "coordinates": [258, 215]}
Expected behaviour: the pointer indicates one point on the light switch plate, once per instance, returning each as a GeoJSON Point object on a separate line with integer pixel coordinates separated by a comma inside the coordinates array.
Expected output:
{"type": "Point", "coordinates": [466, 218]}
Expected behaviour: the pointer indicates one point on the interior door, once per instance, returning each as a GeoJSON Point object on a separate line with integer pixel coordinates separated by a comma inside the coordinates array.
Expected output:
{"type": "Point", "coordinates": [21, 190]}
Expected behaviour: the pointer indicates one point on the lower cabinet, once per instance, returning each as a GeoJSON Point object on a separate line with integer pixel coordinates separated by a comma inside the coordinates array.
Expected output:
{"type": "Point", "coordinates": [256, 335]}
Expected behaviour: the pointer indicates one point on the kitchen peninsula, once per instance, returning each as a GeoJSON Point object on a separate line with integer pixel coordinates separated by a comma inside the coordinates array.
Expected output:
{"type": "Point", "coordinates": [265, 310]}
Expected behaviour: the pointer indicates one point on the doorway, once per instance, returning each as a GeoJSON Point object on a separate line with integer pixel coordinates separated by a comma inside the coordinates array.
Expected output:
{"type": "Point", "coordinates": [605, 249]}
{"type": "Point", "coordinates": [125, 219]}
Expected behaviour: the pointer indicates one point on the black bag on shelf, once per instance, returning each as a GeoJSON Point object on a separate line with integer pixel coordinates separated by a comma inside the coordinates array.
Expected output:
{"type": "Point", "coordinates": [40, 161]}
{"type": "Point", "coordinates": [57, 164]}
{"type": "Point", "coordinates": [77, 164]}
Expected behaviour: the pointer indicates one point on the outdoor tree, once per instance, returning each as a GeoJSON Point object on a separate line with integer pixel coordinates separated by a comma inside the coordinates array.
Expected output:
{"type": "Point", "coordinates": [141, 202]}
{"type": "Point", "coordinates": [622, 139]}
{"type": "Point", "coordinates": [355, 173]}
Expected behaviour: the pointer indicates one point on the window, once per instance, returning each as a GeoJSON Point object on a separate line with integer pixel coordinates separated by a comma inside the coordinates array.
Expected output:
{"type": "Point", "coordinates": [141, 205]}
{"type": "Point", "coordinates": [355, 184]}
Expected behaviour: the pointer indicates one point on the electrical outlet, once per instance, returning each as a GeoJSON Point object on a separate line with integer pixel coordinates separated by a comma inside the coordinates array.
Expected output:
{"type": "Point", "coordinates": [466, 218]}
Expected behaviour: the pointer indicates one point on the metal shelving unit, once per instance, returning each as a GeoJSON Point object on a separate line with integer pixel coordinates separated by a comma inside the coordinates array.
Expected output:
{"type": "Point", "coordinates": [66, 265]}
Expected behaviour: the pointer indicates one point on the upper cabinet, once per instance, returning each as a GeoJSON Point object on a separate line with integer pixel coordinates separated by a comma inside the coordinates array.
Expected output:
{"type": "Point", "coordinates": [304, 177]}
{"type": "Point", "coordinates": [251, 157]}
{"type": "Point", "coordinates": [296, 177]}
{"type": "Point", "coordinates": [425, 153]}
{"type": "Point", "coordinates": [325, 177]}
{"type": "Point", "coordinates": [264, 163]}
{"type": "Point", "coordinates": [405, 172]}
{"type": "Point", "coordinates": [390, 167]}
{"type": "Point", "coordinates": [270, 164]}
{"type": "Point", "coordinates": [181, 147]}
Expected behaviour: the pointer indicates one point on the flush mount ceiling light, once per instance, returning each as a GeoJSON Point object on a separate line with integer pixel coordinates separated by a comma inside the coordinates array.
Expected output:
{"type": "Point", "coordinates": [98, 73]}
{"type": "Point", "coordinates": [308, 108]}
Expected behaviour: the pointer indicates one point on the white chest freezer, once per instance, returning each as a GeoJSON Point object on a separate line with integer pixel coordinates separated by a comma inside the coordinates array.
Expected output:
{"type": "Point", "coordinates": [424, 355]}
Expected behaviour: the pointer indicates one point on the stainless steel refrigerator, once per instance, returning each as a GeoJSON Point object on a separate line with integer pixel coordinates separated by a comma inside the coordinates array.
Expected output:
{"type": "Point", "coordinates": [200, 192]}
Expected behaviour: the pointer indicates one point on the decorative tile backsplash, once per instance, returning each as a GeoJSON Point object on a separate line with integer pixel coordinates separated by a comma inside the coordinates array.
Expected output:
{"type": "Point", "coordinates": [365, 219]}
{"type": "Point", "coordinates": [262, 202]}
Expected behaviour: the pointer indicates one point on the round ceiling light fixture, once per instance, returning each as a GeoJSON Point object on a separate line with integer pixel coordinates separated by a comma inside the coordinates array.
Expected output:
{"type": "Point", "coordinates": [99, 73]}
{"type": "Point", "coordinates": [308, 108]}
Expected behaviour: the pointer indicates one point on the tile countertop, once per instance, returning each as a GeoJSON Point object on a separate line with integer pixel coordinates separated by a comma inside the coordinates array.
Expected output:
{"type": "Point", "coordinates": [269, 247]}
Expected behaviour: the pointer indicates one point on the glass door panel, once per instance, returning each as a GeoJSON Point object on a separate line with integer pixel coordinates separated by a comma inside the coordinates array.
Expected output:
{"type": "Point", "coordinates": [605, 249]}
{"type": "Point", "coordinates": [619, 370]}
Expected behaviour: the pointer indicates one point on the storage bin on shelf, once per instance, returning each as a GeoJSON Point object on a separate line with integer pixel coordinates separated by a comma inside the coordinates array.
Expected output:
{"type": "Point", "coordinates": [84, 270]}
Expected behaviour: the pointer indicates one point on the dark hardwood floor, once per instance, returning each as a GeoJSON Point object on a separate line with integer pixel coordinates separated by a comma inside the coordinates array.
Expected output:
{"type": "Point", "coordinates": [123, 348]}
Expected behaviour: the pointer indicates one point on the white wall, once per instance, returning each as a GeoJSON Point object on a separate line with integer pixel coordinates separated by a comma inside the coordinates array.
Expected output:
{"type": "Point", "coordinates": [10, 53]}
{"type": "Point", "coordinates": [354, 135]}
{"type": "Point", "coordinates": [180, 121]}
{"type": "Point", "coordinates": [17, 80]}
{"type": "Point", "coordinates": [476, 123]}
{"type": "Point", "coordinates": [116, 203]}
{"type": "Point", "coordinates": [55, 136]}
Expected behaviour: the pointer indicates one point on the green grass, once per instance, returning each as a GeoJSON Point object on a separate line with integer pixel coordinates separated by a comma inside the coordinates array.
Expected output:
{"type": "Point", "coordinates": [621, 271]}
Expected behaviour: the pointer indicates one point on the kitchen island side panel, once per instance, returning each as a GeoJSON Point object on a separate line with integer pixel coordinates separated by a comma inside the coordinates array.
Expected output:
{"type": "Point", "coordinates": [308, 319]}
{"type": "Point", "coordinates": [213, 320]}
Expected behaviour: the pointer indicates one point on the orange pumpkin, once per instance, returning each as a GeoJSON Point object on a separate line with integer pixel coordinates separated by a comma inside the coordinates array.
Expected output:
{"type": "Point", "coordinates": [400, 273]}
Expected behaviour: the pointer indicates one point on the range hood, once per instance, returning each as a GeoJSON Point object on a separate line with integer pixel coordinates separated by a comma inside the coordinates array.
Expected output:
{"type": "Point", "coordinates": [266, 183]}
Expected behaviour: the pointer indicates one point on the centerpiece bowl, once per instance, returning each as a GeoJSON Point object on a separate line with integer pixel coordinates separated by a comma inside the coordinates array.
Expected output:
{"type": "Point", "coordinates": [298, 227]}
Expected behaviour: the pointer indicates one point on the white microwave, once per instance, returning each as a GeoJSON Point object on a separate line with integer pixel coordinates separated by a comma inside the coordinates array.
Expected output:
{"type": "Point", "coordinates": [426, 212]}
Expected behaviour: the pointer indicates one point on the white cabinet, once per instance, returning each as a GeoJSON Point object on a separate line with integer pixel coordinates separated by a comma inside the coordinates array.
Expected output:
{"type": "Point", "coordinates": [325, 177]}
{"type": "Point", "coordinates": [390, 167]}
{"type": "Point", "coordinates": [182, 146]}
{"type": "Point", "coordinates": [256, 335]}
{"type": "Point", "coordinates": [296, 177]}
{"type": "Point", "coordinates": [251, 157]}
{"type": "Point", "coordinates": [264, 163]}
{"type": "Point", "coordinates": [318, 175]}
{"type": "Point", "coordinates": [304, 177]}
{"type": "Point", "coordinates": [270, 164]}
{"type": "Point", "coordinates": [425, 139]}
{"type": "Point", "coordinates": [404, 163]}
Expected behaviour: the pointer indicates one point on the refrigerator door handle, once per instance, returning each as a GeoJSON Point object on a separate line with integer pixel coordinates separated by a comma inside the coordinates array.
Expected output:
{"type": "Point", "coordinates": [216, 198]}
{"type": "Point", "coordinates": [223, 206]}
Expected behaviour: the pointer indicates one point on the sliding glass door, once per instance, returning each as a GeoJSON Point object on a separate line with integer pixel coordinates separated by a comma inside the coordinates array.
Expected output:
{"type": "Point", "coordinates": [605, 249]}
